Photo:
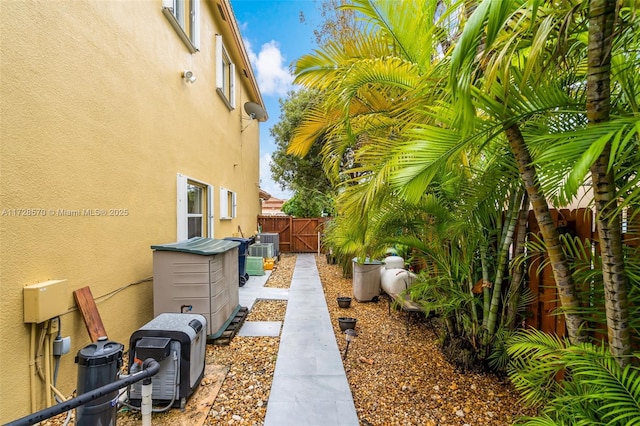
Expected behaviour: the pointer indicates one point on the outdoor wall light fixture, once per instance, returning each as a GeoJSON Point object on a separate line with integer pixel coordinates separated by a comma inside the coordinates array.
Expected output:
{"type": "Point", "coordinates": [188, 76]}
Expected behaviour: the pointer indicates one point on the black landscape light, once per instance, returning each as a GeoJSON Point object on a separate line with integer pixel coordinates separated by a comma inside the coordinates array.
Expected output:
{"type": "Point", "coordinates": [350, 334]}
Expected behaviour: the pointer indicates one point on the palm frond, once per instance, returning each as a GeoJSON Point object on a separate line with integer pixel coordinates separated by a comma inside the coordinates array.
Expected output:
{"type": "Point", "coordinates": [569, 155]}
{"type": "Point", "coordinates": [428, 28]}
{"type": "Point", "coordinates": [536, 361]}
{"type": "Point", "coordinates": [542, 420]}
{"type": "Point", "coordinates": [597, 389]}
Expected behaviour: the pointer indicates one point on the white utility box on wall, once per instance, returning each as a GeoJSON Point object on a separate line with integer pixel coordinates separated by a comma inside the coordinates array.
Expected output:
{"type": "Point", "coordinates": [45, 300]}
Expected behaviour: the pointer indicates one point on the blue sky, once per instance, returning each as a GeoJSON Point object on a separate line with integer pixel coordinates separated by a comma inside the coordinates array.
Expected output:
{"type": "Point", "coordinates": [275, 37]}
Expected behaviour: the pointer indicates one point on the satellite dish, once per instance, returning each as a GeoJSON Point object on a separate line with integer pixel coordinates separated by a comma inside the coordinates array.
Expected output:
{"type": "Point", "coordinates": [255, 111]}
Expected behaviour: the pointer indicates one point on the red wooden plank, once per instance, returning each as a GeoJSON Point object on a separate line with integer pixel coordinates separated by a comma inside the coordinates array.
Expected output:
{"type": "Point", "coordinates": [533, 223]}
{"type": "Point", "coordinates": [89, 310]}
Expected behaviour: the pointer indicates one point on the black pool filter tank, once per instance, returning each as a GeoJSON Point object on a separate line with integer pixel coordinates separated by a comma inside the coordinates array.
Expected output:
{"type": "Point", "coordinates": [98, 365]}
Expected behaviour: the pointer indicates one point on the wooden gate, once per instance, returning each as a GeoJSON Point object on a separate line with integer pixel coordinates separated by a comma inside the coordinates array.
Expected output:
{"type": "Point", "coordinates": [297, 235]}
{"type": "Point", "coordinates": [304, 235]}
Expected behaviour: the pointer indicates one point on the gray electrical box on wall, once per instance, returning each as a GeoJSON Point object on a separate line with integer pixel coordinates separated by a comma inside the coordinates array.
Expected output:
{"type": "Point", "coordinates": [45, 300]}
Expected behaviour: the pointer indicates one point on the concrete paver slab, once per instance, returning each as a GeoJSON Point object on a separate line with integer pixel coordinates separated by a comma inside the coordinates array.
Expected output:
{"type": "Point", "coordinates": [260, 328]}
{"type": "Point", "coordinates": [316, 413]}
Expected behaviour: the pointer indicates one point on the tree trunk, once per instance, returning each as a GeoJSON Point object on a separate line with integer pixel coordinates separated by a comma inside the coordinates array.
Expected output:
{"type": "Point", "coordinates": [507, 239]}
{"type": "Point", "coordinates": [601, 20]}
{"type": "Point", "coordinates": [474, 309]}
{"type": "Point", "coordinates": [558, 260]}
{"type": "Point", "coordinates": [513, 296]}
{"type": "Point", "coordinates": [486, 290]}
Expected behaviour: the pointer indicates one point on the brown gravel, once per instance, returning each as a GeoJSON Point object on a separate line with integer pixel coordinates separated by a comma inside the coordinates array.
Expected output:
{"type": "Point", "coordinates": [400, 379]}
{"type": "Point", "coordinates": [395, 378]}
{"type": "Point", "coordinates": [282, 272]}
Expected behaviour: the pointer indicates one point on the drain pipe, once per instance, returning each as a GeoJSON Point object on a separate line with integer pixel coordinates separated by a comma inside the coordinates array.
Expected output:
{"type": "Point", "coordinates": [146, 402]}
{"type": "Point", "coordinates": [150, 368]}
{"type": "Point", "coordinates": [47, 365]}
{"type": "Point", "coordinates": [32, 366]}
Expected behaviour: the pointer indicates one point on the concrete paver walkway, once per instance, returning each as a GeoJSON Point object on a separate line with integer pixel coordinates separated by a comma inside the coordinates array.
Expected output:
{"type": "Point", "coordinates": [309, 384]}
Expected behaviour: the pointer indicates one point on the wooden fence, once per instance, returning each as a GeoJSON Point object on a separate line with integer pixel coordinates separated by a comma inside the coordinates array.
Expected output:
{"type": "Point", "coordinates": [301, 236]}
{"type": "Point", "coordinates": [296, 235]}
{"type": "Point", "coordinates": [543, 314]}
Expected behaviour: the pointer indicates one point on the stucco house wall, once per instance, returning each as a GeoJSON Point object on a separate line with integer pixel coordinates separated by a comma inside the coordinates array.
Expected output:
{"type": "Point", "coordinates": [98, 128]}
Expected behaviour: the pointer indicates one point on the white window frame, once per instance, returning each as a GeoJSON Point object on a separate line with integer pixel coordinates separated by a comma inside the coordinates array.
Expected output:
{"type": "Point", "coordinates": [201, 205]}
{"type": "Point", "coordinates": [228, 204]}
{"type": "Point", "coordinates": [182, 206]}
{"type": "Point", "coordinates": [226, 87]}
{"type": "Point", "coordinates": [184, 16]}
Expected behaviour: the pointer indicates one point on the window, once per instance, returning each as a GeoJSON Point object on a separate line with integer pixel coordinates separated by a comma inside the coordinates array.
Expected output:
{"type": "Point", "coordinates": [195, 208]}
{"type": "Point", "coordinates": [227, 204]}
{"type": "Point", "coordinates": [225, 74]}
{"type": "Point", "coordinates": [184, 16]}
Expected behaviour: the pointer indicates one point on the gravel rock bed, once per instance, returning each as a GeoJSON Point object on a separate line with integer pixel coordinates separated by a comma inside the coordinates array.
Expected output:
{"type": "Point", "coordinates": [282, 272]}
{"type": "Point", "coordinates": [402, 379]}
{"type": "Point", "coordinates": [267, 310]}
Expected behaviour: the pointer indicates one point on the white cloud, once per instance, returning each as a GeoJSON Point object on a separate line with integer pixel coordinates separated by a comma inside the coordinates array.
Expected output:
{"type": "Point", "coordinates": [274, 79]}
{"type": "Point", "coordinates": [267, 183]}
{"type": "Point", "coordinates": [272, 74]}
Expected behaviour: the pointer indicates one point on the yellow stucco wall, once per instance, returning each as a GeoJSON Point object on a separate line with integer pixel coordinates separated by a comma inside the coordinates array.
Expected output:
{"type": "Point", "coordinates": [95, 115]}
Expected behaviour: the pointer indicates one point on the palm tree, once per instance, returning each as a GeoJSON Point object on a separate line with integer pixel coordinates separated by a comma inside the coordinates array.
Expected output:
{"type": "Point", "coordinates": [602, 14]}
{"type": "Point", "coordinates": [585, 71]}
{"type": "Point", "coordinates": [373, 96]}
{"type": "Point", "coordinates": [392, 128]}
{"type": "Point", "coordinates": [497, 85]}
{"type": "Point", "coordinates": [387, 116]}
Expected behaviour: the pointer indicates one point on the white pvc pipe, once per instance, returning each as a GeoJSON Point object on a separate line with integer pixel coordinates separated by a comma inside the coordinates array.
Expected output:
{"type": "Point", "coordinates": [146, 404]}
